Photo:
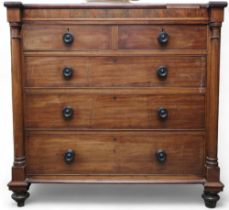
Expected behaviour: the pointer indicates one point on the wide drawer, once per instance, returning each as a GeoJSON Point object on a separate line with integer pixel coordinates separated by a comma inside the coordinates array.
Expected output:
{"type": "Point", "coordinates": [115, 71]}
{"type": "Point", "coordinates": [50, 37]}
{"type": "Point", "coordinates": [146, 37]}
{"type": "Point", "coordinates": [113, 109]}
{"type": "Point", "coordinates": [115, 153]}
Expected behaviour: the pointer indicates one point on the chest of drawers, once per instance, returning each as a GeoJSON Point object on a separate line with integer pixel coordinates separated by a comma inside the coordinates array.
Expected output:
{"type": "Point", "coordinates": [115, 93]}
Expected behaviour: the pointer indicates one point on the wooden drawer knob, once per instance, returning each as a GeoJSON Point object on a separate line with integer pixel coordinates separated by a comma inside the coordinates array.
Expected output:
{"type": "Point", "coordinates": [67, 73]}
{"type": "Point", "coordinates": [162, 72]}
{"type": "Point", "coordinates": [68, 38]}
{"type": "Point", "coordinates": [69, 156]}
{"type": "Point", "coordinates": [163, 113]}
{"type": "Point", "coordinates": [68, 113]}
{"type": "Point", "coordinates": [163, 38]}
{"type": "Point", "coordinates": [161, 156]}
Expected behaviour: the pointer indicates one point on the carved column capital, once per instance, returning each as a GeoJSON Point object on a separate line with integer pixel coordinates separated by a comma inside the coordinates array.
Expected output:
{"type": "Point", "coordinates": [15, 30]}
{"type": "Point", "coordinates": [216, 14]}
{"type": "Point", "coordinates": [215, 29]}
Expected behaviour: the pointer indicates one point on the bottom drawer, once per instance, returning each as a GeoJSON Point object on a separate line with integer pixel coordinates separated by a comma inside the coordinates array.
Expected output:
{"type": "Point", "coordinates": [115, 153]}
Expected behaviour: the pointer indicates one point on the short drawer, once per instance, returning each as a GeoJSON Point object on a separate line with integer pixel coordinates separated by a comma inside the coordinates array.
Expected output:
{"type": "Point", "coordinates": [113, 109]}
{"type": "Point", "coordinates": [115, 153]}
{"type": "Point", "coordinates": [51, 37]}
{"type": "Point", "coordinates": [115, 71]}
{"type": "Point", "coordinates": [177, 37]}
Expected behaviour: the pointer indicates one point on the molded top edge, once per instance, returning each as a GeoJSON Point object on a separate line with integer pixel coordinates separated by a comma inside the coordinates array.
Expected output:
{"type": "Point", "coordinates": [217, 4]}
{"type": "Point", "coordinates": [15, 4]}
{"type": "Point", "coordinates": [111, 5]}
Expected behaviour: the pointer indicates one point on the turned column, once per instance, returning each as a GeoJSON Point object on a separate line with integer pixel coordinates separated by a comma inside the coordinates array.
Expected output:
{"type": "Point", "coordinates": [18, 185]}
{"type": "Point", "coordinates": [213, 185]}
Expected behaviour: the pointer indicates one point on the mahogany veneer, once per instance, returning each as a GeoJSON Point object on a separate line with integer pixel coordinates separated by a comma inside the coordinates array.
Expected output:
{"type": "Point", "coordinates": [115, 93]}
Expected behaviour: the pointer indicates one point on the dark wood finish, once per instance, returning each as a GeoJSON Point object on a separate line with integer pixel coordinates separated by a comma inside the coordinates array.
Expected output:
{"type": "Point", "coordinates": [113, 109]}
{"type": "Point", "coordinates": [115, 153]}
{"type": "Point", "coordinates": [20, 191]}
{"type": "Point", "coordinates": [20, 197]}
{"type": "Point", "coordinates": [99, 122]}
{"type": "Point", "coordinates": [210, 199]}
{"type": "Point", "coordinates": [115, 71]}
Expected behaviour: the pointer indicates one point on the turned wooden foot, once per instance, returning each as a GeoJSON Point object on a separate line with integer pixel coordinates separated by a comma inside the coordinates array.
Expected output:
{"type": "Point", "coordinates": [210, 199]}
{"type": "Point", "coordinates": [20, 192]}
{"type": "Point", "coordinates": [20, 197]}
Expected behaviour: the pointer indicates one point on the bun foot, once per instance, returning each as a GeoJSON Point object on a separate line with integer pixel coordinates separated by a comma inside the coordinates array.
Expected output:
{"type": "Point", "coordinates": [210, 199]}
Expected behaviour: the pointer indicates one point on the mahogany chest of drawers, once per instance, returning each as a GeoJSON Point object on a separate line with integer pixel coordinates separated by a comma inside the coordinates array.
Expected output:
{"type": "Point", "coordinates": [115, 93]}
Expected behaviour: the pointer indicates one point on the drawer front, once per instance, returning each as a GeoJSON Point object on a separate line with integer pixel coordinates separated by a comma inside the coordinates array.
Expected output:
{"type": "Point", "coordinates": [115, 71]}
{"type": "Point", "coordinates": [113, 109]}
{"type": "Point", "coordinates": [115, 153]}
{"type": "Point", "coordinates": [50, 37]}
{"type": "Point", "coordinates": [146, 37]}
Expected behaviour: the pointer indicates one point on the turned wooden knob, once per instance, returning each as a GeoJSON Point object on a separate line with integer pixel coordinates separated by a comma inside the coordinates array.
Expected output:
{"type": "Point", "coordinates": [163, 113]}
{"type": "Point", "coordinates": [68, 38]}
{"type": "Point", "coordinates": [163, 38]}
{"type": "Point", "coordinates": [161, 156]}
{"type": "Point", "coordinates": [162, 72]}
{"type": "Point", "coordinates": [69, 156]}
{"type": "Point", "coordinates": [67, 73]}
{"type": "Point", "coordinates": [68, 112]}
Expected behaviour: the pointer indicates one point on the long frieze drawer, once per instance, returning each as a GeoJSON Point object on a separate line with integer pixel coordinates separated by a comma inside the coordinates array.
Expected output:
{"type": "Point", "coordinates": [115, 71]}
{"type": "Point", "coordinates": [115, 153]}
{"type": "Point", "coordinates": [113, 109]}
{"type": "Point", "coordinates": [61, 37]}
{"type": "Point", "coordinates": [162, 37]}
{"type": "Point", "coordinates": [195, 14]}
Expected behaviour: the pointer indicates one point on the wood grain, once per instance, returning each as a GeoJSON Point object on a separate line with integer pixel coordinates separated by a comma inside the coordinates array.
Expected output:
{"type": "Point", "coordinates": [50, 37]}
{"type": "Point", "coordinates": [115, 71]}
{"type": "Point", "coordinates": [115, 153]}
{"type": "Point", "coordinates": [114, 109]}
{"type": "Point", "coordinates": [115, 94]}
{"type": "Point", "coordinates": [124, 13]}
{"type": "Point", "coordinates": [118, 179]}
{"type": "Point", "coordinates": [112, 53]}
{"type": "Point", "coordinates": [145, 37]}
{"type": "Point", "coordinates": [129, 37]}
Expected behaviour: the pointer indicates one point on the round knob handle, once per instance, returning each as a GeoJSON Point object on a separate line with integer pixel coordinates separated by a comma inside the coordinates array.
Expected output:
{"type": "Point", "coordinates": [67, 73]}
{"type": "Point", "coordinates": [162, 72]}
{"type": "Point", "coordinates": [68, 38]}
{"type": "Point", "coordinates": [163, 38]}
{"type": "Point", "coordinates": [161, 156]}
{"type": "Point", "coordinates": [163, 113]}
{"type": "Point", "coordinates": [69, 156]}
{"type": "Point", "coordinates": [68, 112]}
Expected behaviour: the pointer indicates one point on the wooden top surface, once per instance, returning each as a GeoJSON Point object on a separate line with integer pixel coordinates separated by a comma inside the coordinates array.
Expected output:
{"type": "Point", "coordinates": [112, 4]}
